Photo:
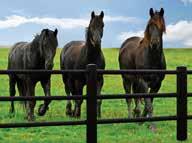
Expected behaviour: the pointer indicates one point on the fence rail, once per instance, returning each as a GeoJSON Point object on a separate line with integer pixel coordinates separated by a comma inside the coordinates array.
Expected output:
{"type": "Point", "coordinates": [91, 99]}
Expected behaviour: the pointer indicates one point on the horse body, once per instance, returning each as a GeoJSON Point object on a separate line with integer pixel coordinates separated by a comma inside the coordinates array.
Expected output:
{"type": "Point", "coordinates": [77, 55]}
{"type": "Point", "coordinates": [37, 54]}
{"type": "Point", "coordinates": [132, 55]}
{"type": "Point", "coordinates": [24, 56]}
{"type": "Point", "coordinates": [144, 53]}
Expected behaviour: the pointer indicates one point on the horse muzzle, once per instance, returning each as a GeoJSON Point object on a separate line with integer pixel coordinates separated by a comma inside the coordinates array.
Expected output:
{"type": "Point", "coordinates": [155, 44]}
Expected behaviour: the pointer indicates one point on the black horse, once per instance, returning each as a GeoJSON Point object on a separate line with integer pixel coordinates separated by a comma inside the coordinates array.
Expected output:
{"type": "Point", "coordinates": [144, 53]}
{"type": "Point", "coordinates": [38, 54]}
{"type": "Point", "coordinates": [78, 54]}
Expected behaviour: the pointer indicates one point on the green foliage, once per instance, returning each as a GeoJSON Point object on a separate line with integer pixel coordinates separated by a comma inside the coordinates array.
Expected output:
{"type": "Point", "coordinates": [114, 133]}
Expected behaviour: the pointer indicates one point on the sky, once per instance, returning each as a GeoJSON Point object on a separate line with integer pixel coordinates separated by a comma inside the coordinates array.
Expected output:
{"type": "Point", "coordinates": [21, 20]}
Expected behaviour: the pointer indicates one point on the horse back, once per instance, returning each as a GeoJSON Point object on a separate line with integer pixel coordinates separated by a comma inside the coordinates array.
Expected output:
{"type": "Point", "coordinates": [128, 52]}
{"type": "Point", "coordinates": [16, 55]}
{"type": "Point", "coordinates": [70, 54]}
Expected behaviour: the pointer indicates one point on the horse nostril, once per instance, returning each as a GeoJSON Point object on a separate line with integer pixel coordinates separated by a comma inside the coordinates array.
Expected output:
{"type": "Point", "coordinates": [154, 45]}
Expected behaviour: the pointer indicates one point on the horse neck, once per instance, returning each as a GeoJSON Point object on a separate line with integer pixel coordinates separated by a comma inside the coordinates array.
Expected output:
{"type": "Point", "coordinates": [92, 51]}
{"type": "Point", "coordinates": [154, 57]}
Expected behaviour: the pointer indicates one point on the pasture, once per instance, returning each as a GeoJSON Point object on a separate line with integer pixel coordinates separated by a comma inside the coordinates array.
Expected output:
{"type": "Point", "coordinates": [121, 133]}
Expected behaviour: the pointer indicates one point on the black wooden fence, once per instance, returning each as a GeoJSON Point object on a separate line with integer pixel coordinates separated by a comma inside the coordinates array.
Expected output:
{"type": "Point", "coordinates": [91, 122]}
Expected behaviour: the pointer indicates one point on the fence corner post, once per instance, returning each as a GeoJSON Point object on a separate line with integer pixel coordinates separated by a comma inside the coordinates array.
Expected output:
{"type": "Point", "coordinates": [181, 103]}
{"type": "Point", "coordinates": [91, 103]}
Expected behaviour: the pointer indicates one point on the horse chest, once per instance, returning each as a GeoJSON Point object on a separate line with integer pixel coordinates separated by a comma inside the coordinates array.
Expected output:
{"type": "Point", "coordinates": [34, 61]}
{"type": "Point", "coordinates": [83, 62]}
{"type": "Point", "coordinates": [152, 59]}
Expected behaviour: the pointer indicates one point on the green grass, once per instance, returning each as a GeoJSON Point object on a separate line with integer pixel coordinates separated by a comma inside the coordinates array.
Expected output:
{"type": "Point", "coordinates": [114, 133]}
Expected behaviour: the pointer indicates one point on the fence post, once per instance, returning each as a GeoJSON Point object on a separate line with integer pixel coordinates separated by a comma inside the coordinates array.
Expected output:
{"type": "Point", "coordinates": [91, 103]}
{"type": "Point", "coordinates": [182, 103]}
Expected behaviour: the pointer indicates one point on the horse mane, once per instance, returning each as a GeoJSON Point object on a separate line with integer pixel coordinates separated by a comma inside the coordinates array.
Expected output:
{"type": "Point", "coordinates": [36, 39]}
{"type": "Point", "coordinates": [36, 43]}
{"type": "Point", "coordinates": [86, 33]}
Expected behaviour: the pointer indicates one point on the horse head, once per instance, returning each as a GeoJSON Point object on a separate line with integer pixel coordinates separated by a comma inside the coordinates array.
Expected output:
{"type": "Point", "coordinates": [95, 29]}
{"type": "Point", "coordinates": [155, 29]}
{"type": "Point", "coordinates": [48, 44]}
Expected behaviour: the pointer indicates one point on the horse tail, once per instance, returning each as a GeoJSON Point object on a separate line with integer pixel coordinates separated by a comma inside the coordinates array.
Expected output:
{"type": "Point", "coordinates": [12, 91]}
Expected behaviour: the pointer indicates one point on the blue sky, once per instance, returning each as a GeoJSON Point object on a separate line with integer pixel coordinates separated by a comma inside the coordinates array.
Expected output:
{"type": "Point", "coordinates": [20, 20]}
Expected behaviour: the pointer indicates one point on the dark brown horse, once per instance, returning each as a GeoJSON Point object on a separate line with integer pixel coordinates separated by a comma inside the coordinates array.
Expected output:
{"type": "Point", "coordinates": [77, 55]}
{"type": "Point", "coordinates": [144, 53]}
{"type": "Point", "coordinates": [38, 54]}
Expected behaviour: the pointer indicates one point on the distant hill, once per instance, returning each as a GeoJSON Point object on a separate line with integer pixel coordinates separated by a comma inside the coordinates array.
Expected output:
{"type": "Point", "coordinates": [5, 46]}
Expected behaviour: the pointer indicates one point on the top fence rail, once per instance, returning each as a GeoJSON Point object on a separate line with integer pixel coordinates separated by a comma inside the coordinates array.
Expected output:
{"type": "Point", "coordinates": [99, 71]}
{"type": "Point", "coordinates": [41, 71]}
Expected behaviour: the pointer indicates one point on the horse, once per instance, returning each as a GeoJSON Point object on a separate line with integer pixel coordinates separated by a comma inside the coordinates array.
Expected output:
{"type": "Point", "coordinates": [77, 55]}
{"type": "Point", "coordinates": [144, 53]}
{"type": "Point", "coordinates": [34, 55]}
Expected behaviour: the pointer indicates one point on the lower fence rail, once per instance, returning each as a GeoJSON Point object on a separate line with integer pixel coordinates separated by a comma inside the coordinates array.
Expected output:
{"type": "Point", "coordinates": [42, 124]}
{"type": "Point", "coordinates": [84, 122]}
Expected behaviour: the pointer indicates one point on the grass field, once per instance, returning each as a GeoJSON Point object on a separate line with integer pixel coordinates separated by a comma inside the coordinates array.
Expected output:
{"type": "Point", "coordinates": [114, 133]}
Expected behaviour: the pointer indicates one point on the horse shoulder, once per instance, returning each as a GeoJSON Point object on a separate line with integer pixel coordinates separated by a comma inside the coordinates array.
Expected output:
{"type": "Point", "coordinates": [141, 56]}
{"type": "Point", "coordinates": [71, 53]}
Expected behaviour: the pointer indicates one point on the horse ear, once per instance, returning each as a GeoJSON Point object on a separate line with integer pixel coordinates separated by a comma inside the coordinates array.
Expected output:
{"type": "Point", "coordinates": [55, 32]}
{"type": "Point", "coordinates": [92, 14]}
{"type": "Point", "coordinates": [161, 12]}
{"type": "Point", "coordinates": [102, 14]}
{"type": "Point", "coordinates": [151, 12]}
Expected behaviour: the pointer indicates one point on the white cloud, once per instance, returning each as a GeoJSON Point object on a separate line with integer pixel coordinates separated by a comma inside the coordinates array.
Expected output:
{"type": "Point", "coordinates": [12, 21]}
{"type": "Point", "coordinates": [124, 35]}
{"type": "Point", "coordinates": [122, 19]}
{"type": "Point", "coordinates": [65, 23]}
{"type": "Point", "coordinates": [179, 32]}
{"type": "Point", "coordinates": [186, 1]}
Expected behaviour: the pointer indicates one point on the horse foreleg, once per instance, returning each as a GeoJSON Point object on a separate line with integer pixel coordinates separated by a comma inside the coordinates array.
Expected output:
{"type": "Point", "coordinates": [78, 91]}
{"type": "Point", "coordinates": [30, 91]}
{"type": "Point", "coordinates": [155, 89]}
{"type": "Point", "coordinates": [46, 88]}
{"type": "Point", "coordinates": [99, 101]}
{"type": "Point", "coordinates": [148, 108]}
{"type": "Point", "coordinates": [138, 88]}
{"type": "Point", "coordinates": [127, 87]}
{"type": "Point", "coordinates": [69, 104]}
